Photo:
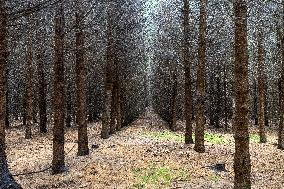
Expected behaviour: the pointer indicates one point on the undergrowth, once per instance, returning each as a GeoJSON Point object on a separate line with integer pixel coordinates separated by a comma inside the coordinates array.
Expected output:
{"type": "Point", "coordinates": [158, 177]}
{"type": "Point", "coordinates": [172, 136]}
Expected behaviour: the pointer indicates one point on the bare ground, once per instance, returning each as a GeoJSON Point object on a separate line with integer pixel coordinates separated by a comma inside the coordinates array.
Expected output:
{"type": "Point", "coordinates": [112, 165]}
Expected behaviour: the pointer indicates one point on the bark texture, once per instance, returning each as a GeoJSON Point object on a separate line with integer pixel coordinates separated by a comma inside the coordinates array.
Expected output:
{"type": "Point", "coordinates": [81, 113]}
{"type": "Point", "coordinates": [281, 124]}
{"type": "Point", "coordinates": [29, 89]}
{"type": "Point", "coordinates": [261, 88]}
{"type": "Point", "coordinates": [108, 79]}
{"type": "Point", "coordinates": [200, 117]}
{"type": "Point", "coordinates": [242, 163]}
{"type": "Point", "coordinates": [6, 179]}
{"type": "Point", "coordinates": [187, 71]}
{"type": "Point", "coordinates": [58, 164]}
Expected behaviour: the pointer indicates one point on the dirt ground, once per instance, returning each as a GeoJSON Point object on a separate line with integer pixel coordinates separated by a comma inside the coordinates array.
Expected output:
{"type": "Point", "coordinates": [131, 159]}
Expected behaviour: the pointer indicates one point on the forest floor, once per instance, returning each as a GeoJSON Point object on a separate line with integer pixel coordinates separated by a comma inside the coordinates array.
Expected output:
{"type": "Point", "coordinates": [144, 155]}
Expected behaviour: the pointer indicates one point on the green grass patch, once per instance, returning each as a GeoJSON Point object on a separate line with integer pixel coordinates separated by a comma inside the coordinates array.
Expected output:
{"type": "Point", "coordinates": [215, 178]}
{"type": "Point", "coordinates": [254, 138]}
{"type": "Point", "coordinates": [158, 177]}
{"type": "Point", "coordinates": [172, 136]}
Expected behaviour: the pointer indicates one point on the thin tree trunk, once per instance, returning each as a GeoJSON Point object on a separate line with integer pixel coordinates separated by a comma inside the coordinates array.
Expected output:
{"type": "Point", "coordinates": [42, 95]}
{"type": "Point", "coordinates": [68, 119]}
{"type": "Point", "coordinates": [113, 109]}
{"type": "Point", "coordinates": [7, 121]}
{"type": "Point", "coordinates": [200, 117]}
{"type": "Point", "coordinates": [173, 121]}
{"type": "Point", "coordinates": [83, 148]}
{"type": "Point", "coordinates": [261, 89]}
{"type": "Point", "coordinates": [58, 161]}
{"type": "Point", "coordinates": [118, 108]}
{"type": "Point", "coordinates": [255, 108]}
{"type": "Point", "coordinates": [242, 163]}
{"type": "Point", "coordinates": [187, 67]}
{"type": "Point", "coordinates": [108, 79]}
{"type": "Point", "coordinates": [225, 99]}
{"type": "Point", "coordinates": [29, 89]}
{"type": "Point", "coordinates": [281, 124]}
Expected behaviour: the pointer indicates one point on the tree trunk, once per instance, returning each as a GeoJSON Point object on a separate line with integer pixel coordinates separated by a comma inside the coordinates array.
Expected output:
{"type": "Point", "coordinates": [58, 164]}
{"type": "Point", "coordinates": [225, 98]}
{"type": "Point", "coordinates": [187, 73]}
{"type": "Point", "coordinates": [81, 115]}
{"type": "Point", "coordinates": [281, 124]}
{"type": "Point", "coordinates": [68, 119]}
{"type": "Point", "coordinates": [173, 109]}
{"type": "Point", "coordinates": [108, 79]}
{"type": "Point", "coordinates": [7, 121]}
{"type": "Point", "coordinates": [6, 179]}
{"type": "Point", "coordinates": [242, 163]}
{"type": "Point", "coordinates": [29, 90]}
{"type": "Point", "coordinates": [261, 88]}
{"type": "Point", "coordinates": [42, 95]}
{"type": "Point", "coordinates": [255, 108]}
{"type": "Point", "coordinates": [200, 118]}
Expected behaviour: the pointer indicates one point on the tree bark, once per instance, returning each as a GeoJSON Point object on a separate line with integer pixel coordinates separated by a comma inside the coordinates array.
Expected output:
{"type": "Point", "coordinates": [29, 89]}
{"type": "Point", "coordinates": [261, 88]}
{"type": "Point", "coordinates": [281, 124]}
{"type": "Point", "coordinates": [58, 161]}
{"type": "Point", "coordinates": [81, 112]}
{"type": "Point", "coordinates": [6, 179]}
{"type": "Point", "coordinates": [242, 163]}
{"type": "Point", "coordinates": [187, 72]}
{"type": "Point", "coordinates": [42, 95]}
{"type": "Point", "coordinates": [173, 109]}
{"type": "Point", "coordinates": [200, 117]}
{"type": "Point", "coordinates": [108, 79]}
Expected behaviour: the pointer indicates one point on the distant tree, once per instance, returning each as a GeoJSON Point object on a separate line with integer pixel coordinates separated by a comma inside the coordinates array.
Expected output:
{"type": "Point", "coordinates": [281, 124]}
{"type": "Point", "coordinates": [200, 117]}
{"type": "Point", "coordinates": [261, 86]}
{"type": "Point", "coordinates": [81, 111]}
{"type": "Point", "coordinates": [242, 163]}
{"type": "Point", "coordinates": [29, 84]}
{"type": "Point", "coordinates": [108, 75]}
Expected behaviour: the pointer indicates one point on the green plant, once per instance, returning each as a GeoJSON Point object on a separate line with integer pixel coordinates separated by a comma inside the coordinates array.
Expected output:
{"type": "Point", "coordinates": [156, 177]}
{"type": "Point", "coordinates": [171, 136]}
{"type": "Point", "coordinates": [254, 138]}
{"type": "Point", "coordinates": [215, 178]}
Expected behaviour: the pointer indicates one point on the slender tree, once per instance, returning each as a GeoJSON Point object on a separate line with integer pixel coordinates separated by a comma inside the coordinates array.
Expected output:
{"type": "Point", "coordinates": [281, 86]}
{"type": "Point", "coordinates": [41, 84]}
{"type": "Point", "coordinates": [242, 163]}
{"type": "Point", "coordinates": [200, 117]}
{"type": "Point", "coordinates": [29, 88]}
{"type": "Point", "coordinates": [58, 163]}
{"type": "Point", "coordinates": [81, 100]}
{"type": "Point", "coordinates": [261, 87]}
{"type": "Point", "coordinates": [187, 72]}
{"type": "Point", "coordinates": [108, 77]}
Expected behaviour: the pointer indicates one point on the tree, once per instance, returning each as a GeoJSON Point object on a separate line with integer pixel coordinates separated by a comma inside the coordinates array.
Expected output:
{"type": "Point", "coordinates": [6, 179]}
{"type": "Point", "coordinates": [187, 72]}
{"type": "Point", "coordinates": [261, 87]}
{"type": "Point", "coordinates": [58, 164]}
{"type": "Point", "coordinates": [200, 117]}
{"type": "Point", "coordinates": [108, 77]}
{"type": "Point", "coordinates": [42, 83]}
{"type": "Point", "coordinates": [81, 113]}
{"type": "Point", "coordinates": [281, 124]}
{"type": "Point", "coordinates": [242, 163]}
{"type": "Point", "coordinates": [29, 87]}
